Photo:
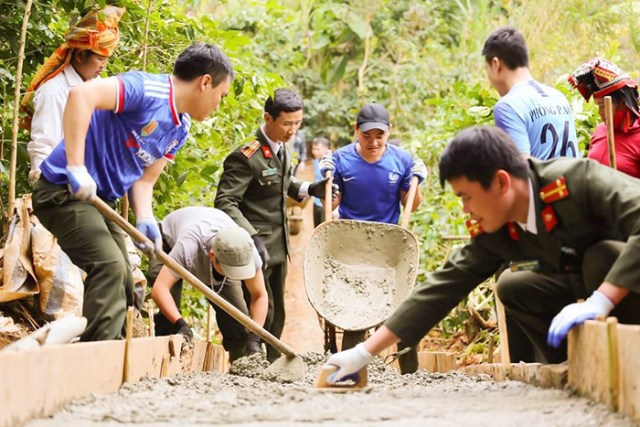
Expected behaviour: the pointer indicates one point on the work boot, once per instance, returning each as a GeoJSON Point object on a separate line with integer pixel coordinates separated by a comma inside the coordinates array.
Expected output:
{"type": "Point", "coordinates": [253, 344]}
{"type": "Point", "coordinates": [272, 354]}
{"type": "Point", "coordinates": [236, 353]}
{"type": "Point", "coordinates": [409, 361]}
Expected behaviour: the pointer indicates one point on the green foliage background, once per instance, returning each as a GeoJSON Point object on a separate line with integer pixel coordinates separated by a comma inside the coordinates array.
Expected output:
{"type": "Point", "coordinates": [420, 58]}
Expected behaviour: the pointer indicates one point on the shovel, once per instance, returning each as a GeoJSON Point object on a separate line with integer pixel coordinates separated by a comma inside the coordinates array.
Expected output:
{"type": "Point", "coordinates": [288, 367]}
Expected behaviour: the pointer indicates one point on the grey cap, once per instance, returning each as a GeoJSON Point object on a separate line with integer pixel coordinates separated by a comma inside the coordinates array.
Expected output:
{"type": "Point", "coordinates": [373, 116]}
{"type": "Point", "coordinates": [233, 248]}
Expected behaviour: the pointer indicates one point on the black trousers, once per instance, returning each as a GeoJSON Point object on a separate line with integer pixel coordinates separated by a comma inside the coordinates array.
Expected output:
{"type": "Point", "coordinates": [274, 279]}
{"type": "Point", "coordinates": [532, 300]}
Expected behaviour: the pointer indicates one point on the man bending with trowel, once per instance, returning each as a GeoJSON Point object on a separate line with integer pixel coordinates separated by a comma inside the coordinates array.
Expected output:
{"type": "Point", "coordinates": [222, 255]}
{"type": "Point", "coordinates": [569, 229]}
{"type": "Point", "coordinates": [373, 178]}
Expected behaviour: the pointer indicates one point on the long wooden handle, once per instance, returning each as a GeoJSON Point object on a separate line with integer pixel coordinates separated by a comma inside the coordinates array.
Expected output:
{"type": "Point", "coordinates": [408, 207]}
{"type": "Point", "coordinates": [611, 144]}
{"type": "Point", "coordinates": [185, 274]}
{"type": "Point", "coordinates": [328, 190]}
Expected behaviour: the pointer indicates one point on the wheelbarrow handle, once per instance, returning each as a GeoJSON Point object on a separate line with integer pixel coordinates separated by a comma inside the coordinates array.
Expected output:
{"type": "Point", "coordinates": [408, 207]}
{"type": "Point", "coordinates": [185, 274]}
{"type": "Point", "coordinates": [328, 199]}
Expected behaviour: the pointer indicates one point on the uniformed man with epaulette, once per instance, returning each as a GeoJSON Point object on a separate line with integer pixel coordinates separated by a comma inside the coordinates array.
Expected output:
{"type": "Point", "coordinates": [569, 229]}
{"type": "Point", "coordinates": [253, 188]}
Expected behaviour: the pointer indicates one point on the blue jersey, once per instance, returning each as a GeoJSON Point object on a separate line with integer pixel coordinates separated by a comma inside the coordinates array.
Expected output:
{"type": "Point", "coordinates": [120, 144]}
{"type": "Point", "coordinates": [371, 191]}
{"type": "Point", "coordinates": [539, 119]}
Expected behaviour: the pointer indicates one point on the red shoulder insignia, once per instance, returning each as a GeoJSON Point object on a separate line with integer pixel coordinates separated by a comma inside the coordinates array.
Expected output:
{"type": "Point", "coordinates": [266, 151]}
{"type": "Point", "coordinates": [549, 218]}
{"type": "Point", "coordinates": [474, 228]}
{"type": "Point", "coordinates": [250, 150]}
{"type": "Point", "coordinates": [555, 191]}
{"type": "Point", "coordinates": [513, 231]}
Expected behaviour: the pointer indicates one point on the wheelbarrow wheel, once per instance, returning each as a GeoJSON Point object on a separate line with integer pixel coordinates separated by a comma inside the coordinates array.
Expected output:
{"type": "Point", "coordinates": [330, 343]}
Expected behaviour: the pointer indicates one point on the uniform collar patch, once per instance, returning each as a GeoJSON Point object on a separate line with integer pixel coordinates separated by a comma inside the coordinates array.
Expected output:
{"type": "Point", "coordinates": [266, 151]}
{"type": "Point", "coordinates": [474, 228]}
{"type": "Point", "coordinates": [549, 218]}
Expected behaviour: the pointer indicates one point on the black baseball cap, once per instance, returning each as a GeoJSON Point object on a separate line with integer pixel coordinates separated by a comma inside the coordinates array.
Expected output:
{"type": "Point", "coordinates": [373, 116]}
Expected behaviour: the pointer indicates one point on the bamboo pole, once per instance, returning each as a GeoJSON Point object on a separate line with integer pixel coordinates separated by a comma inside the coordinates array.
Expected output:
{"type": "Point", "coordinates": [408, 207]}
{"type": "Point", "coordinates": [611, 144]}
{"type": "Point", "coordinates": [16, 107]}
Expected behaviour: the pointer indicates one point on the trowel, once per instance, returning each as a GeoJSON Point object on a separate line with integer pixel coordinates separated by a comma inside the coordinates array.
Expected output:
{"type": "Point", "coordinates": [289, 367]}
{"type": "Point", "coordinates": [353, 382]}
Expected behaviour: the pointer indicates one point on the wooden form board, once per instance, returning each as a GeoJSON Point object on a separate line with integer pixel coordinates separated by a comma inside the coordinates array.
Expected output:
{"type": "Point", "coordinates": [588, 356]}
{"type": "Point", "coordinates": [546, 376]}
{"type": "Point", "coordinates": [629, 386]}
{"type": "Point", "coordinates": [38, 382]}
{"type": "Point", "coordinates": [437, 361]}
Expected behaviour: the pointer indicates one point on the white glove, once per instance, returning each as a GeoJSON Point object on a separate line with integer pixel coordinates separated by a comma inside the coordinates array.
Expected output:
{"type": "Point", "coordinates": [419, 169]}
{"type": "Point", "coordinates": [34, 175]}
{"type": "Point", "coordinates": [149, 227]}
{"type": "Point", "coordinates": [81, 184]}
{"type": "Point", "coordinates": [326, 163]}
{"type": "Point", "coordinates": [348, 362]}
{"type": "Point", "coordinates": [575, 314]}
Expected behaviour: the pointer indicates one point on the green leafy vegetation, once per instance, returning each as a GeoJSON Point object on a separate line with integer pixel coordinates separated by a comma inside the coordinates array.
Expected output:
{"type": "Point", "coordinates": [420, 58]}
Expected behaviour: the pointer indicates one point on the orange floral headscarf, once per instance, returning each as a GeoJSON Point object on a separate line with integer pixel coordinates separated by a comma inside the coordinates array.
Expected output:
{"type": "Point", "coordinates": [97, 31]}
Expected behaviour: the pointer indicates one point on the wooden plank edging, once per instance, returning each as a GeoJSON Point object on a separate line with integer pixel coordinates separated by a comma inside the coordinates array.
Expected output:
{"type": "Point", "coordinates": [38, 382]}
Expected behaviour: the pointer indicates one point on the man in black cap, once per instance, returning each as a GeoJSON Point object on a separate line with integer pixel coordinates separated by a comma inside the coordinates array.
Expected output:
{"type": "Point", "coordinates": [373, 178]}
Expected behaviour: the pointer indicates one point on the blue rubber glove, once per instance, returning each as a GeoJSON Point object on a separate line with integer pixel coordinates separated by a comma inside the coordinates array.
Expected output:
{"type": "Point", "coordinates": [419, 169]}
{"type": "Point", "coordinates": [348, 362]}
{"type": "Point", "coordinates": [326, 163]}
{"type": "Point", "coordinates": [81, 184]}
{"type": "Point", "coordinates": [149, 227]}
{"type": "Point", "coordinates": [576, 314]}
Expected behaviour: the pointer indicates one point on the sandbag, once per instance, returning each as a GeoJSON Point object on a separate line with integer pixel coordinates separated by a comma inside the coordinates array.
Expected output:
{"type": "Point", "coordinates": [18, 276]}
{"type": "Point", "coordinates": [61, 284]}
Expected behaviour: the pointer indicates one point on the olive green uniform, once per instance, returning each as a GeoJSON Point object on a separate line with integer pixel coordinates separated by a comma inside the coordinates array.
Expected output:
{"type": "Point", "coordinates": [96, 245]}
{"type": "Point", "coordinates": [253, 189]}
{"type": "Point", "coordinates": [580, 243]}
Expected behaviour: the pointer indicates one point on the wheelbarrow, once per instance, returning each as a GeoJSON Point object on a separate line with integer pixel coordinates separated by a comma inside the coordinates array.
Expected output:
{"type": "Point", "coordinates": [356, 273]}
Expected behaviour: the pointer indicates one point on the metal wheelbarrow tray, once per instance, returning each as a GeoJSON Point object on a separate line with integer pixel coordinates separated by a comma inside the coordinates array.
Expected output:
{"type": "Point", "coordinates": [356, 273]}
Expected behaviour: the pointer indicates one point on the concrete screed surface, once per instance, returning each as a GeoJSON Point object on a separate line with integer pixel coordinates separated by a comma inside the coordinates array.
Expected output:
{"type": "Point", "coordinates": [246, 399]}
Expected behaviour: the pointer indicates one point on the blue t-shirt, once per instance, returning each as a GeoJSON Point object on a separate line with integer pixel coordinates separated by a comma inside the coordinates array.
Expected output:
{"type": "Point", "coordinates": [120, 144]}
{"type": "Point", "coordinates": [539, 119]}
{"type": "Point", "coordinates": [371, 191]}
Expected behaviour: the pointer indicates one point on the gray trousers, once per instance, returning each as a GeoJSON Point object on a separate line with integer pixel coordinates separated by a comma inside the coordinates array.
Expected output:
{"type": "Point", "coordinates": [532, 300]}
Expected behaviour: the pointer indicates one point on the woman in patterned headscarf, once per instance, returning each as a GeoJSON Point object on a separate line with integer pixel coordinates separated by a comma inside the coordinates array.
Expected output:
{"type": "Point", "coordinates": [83, 56]}
{"type": "Point", "coordinates": [600, 78]}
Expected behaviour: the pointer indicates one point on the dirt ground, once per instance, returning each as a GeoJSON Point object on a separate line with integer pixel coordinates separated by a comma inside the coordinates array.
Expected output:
{"type": "Point", "coordinates": [390, 399]}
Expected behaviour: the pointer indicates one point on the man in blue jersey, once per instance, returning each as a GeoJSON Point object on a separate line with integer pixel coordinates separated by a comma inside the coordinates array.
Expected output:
{"type": "Point", "coordinates": [538, 118]}
{"type": "Point", "coordinates": [374, 178]}
{"type": "Point", "coordinates": [119, 133]}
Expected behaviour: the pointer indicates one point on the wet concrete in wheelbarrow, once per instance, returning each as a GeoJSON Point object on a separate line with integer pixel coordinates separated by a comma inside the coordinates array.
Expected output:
{"type": "Point", "coordinates": [248, 399]}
